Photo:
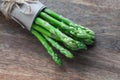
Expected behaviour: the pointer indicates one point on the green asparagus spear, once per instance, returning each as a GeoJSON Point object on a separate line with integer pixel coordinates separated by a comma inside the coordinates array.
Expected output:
{"type": "Point", "coordinates": [66, 21]}
{"type": "Point", "coordinates": [47, 46]}
{"type": "Point", "coordinates": [64, 51]}
{"type": "Point", "coordinates": [42, 30]}
{"type": "Point", "coordinates": [57, 16]}
{"type": "Point", "coordinates": [69, 30]}
{"type": "Point", "coordinates": [75, 33]}
{"type": "Point", "coordinates": [56, 34]}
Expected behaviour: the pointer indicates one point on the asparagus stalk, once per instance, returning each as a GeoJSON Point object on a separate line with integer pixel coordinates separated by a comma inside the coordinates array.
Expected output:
{"type": "Point", "coordinates": [42, 30]}
{"type": "Point", "coordinates": [47, 35]}
{"type": "Point", "coordinates": [57, 16]}
{"type": "Point", "coordinates": [58, 35]}
{"type": "Point", "coordinates": [75, 33]}
{"type": "Point", "coordinates": [69, 30]}
{"type": "Point", "coordinates": [67, 21]}
{"type": "Point", "coordinates": [64, 51]}
{"type": "Point", "coordinates": [47, 46]}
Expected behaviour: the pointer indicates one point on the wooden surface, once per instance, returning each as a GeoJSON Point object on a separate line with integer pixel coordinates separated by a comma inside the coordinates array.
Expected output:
{"type": "Point", "coordinates": [22, 57]}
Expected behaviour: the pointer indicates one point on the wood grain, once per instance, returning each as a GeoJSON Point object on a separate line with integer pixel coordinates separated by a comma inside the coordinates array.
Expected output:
{"type": "Point", "coordinates": [22, 57]}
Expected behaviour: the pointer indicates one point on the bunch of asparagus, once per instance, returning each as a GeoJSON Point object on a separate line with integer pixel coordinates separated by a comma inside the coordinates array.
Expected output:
{"type": "Point", "coordinates": [52, 29]}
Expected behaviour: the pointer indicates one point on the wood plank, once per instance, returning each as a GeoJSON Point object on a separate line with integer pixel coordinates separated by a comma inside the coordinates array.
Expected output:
{"type": "Point", "coordinates": [22, 57]}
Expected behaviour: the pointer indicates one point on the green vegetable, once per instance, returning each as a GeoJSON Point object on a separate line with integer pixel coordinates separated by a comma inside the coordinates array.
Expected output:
{"type": "Point", "coordinates": [76, 33]}
{"type": "Point", "coordinates": [67, 21]}
{"type": "Point", "coordinates": [52, 28]}
{"type": "Point", "coordinates": [47, 46]}
{"type": "Point", "coordinates": [47, 35]}
{"type": "Point", "coordinates": [58, 35]}
{"type": "Point", "coordinates": [64, 51]}
{"type": "Point", "coordinates": [67, 29]}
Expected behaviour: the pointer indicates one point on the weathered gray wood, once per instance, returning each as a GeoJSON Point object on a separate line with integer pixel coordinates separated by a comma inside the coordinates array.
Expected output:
{"type": "Point", "coordinates": [22, 57]}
